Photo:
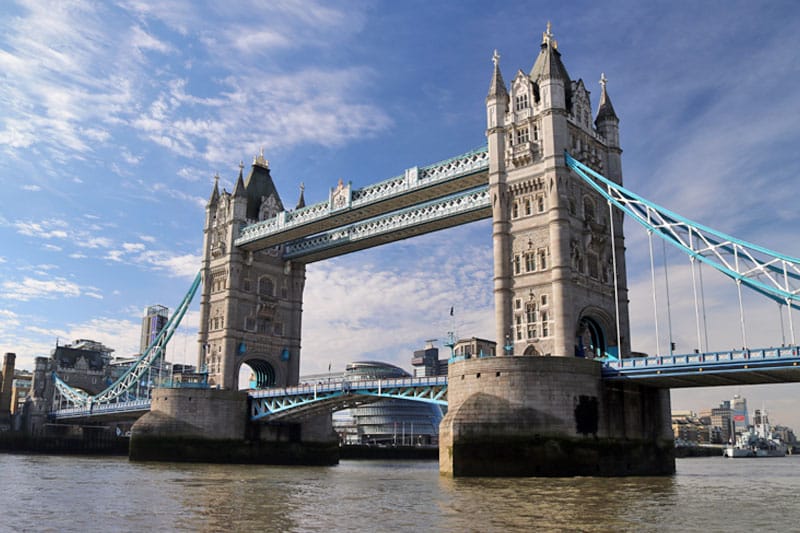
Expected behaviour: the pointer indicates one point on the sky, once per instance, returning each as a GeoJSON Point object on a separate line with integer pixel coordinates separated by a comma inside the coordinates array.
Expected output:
{"type": "Point", "coordinates": [115, 116]}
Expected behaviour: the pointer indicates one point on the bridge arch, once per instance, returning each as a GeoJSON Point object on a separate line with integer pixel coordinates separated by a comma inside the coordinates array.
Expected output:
{"type": "Point", "coordinates": [263, 372]}
{"type": "Point", "coordinates": [592, 333]}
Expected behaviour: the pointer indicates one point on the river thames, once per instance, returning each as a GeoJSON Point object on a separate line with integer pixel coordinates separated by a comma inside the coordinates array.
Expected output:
{"type": "Point", "coordinates": [62, 493]}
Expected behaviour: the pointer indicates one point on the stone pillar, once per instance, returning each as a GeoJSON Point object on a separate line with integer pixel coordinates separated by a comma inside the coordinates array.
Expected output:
{"type": "Point", "coordinates": [551, 416]}
{"type": "Point", "coordinates": [212, 425]}
{"type": "Point", "coordinates": [8, 380]}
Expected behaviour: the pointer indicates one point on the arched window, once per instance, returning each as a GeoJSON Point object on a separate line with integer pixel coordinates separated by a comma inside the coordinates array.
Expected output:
{"type": "Point", "coordinates": [588, 210]}
{"type": "Point", "coordinates": [266, 287]}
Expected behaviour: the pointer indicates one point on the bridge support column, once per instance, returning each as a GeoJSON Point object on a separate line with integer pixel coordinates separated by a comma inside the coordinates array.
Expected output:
{"type": "Point", "coordinates": [551, 416]}
{"type": "Point", "coordinates": [212, 425]}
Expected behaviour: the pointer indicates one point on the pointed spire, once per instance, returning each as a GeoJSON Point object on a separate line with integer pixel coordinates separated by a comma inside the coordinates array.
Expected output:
{"type": "Point", "coordinates": [215, 192]}
{"type": "Point", "coordinates": [548, 63]}
{"type": "Point", "coordinates": [238, 189]}
{"type": "Point", "coordinates": [259, 159]}
{"type": "Point", "coordinates": [605, 110]}
{"type": "Point", "coordinates": [302, 201]}
{"type": "Point", "coordinates": [498, 86]}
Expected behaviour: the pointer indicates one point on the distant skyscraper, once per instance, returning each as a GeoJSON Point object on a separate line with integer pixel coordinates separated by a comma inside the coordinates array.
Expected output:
{"type": "Point", "coordinates": [739, 414]}
{"type": "Point", "coordinates": [155, 318]}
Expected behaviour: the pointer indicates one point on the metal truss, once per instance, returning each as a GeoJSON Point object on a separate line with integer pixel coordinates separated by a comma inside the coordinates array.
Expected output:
{"type": "Point", "coordinates": [769, 273]}
{"type": "Point", "coordinates": [120, 390]}
{"type": "Point", "coordinates": [297, 402]}
{"type": "Point", "coordinates": [414, 179]}
{"type": "Point", "coordinates": [130, 406]}
{"type": "Point", "coordinates": [405, 220]}
{"type": "Point", "coordinates": [735, 367]}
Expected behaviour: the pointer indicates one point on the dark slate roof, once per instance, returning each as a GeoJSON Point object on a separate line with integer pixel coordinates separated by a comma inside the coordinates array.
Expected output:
{"type": "Point", "coordinates": [259, 183]}
{"type": "Point", "coordinates": [605, 110]}
{"type": "Point", "coordinates": [548, 65]}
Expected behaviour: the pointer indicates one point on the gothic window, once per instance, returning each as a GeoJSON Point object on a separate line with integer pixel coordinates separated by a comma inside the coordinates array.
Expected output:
{"type": "Point", "coordinates": [544, 299]}
{"type": "Point", "coordinates": [517, 264]}
{"type": "Point", "coordinates": [530, 262]}
{"type": "Point", "coordinates": [588, 210]}
{"type": "Point", "coordinates": [542, 259]}
{"type": "Point", "coordinates": [264, 325]}
{"type": "Point", "coordinates": [518, 303]}
{"type": "Point", "coordinates": [592, 259]}
{"type": "Point", "coordinates": [249, 323]}
{"type": "Point", "coordinates": [545, 325]}
{"type": "Point", "coordinates": [266, 287]}
{"type": "Point", "coordinates": [521, 102]}
{"type": "Point", "coordinates": [522, 135]}
{"type": "Point", "coordinates": [530, 311]}
{"type": "Point", "coordinates": [511, 139]}
{"type": "Point", "coordinates": [535, 133]}
{"type": "Point", "coordinates": [540, 204]}
{"type": "Point", "coordinates": [279, 329]}
{"type": "Point", "coordinates": [515, 210]}
{"type": "Point", "coordinates": [531, 331]}
{"type": "Point", "coordinates": [247, 285]}
{"type": "Point", "coordinates": [527, 206]}
{"type": "Point", "coordinates": [572, 209]}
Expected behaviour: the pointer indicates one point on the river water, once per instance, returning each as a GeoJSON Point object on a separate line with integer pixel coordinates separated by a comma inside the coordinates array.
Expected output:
{"type": "Point", "coordinates": [60, 493]}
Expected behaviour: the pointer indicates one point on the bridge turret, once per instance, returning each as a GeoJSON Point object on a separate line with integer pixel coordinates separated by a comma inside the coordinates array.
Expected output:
{"type": "Point", "coordinates": [496, 116]}
{"type": "Point", "coordinates": [607, 124]}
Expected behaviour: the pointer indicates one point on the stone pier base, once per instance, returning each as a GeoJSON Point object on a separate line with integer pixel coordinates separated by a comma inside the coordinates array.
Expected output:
{"type": "Point", "coordinates": [551, 416]}
{"type": "Point", "coordinates": [209, 425]}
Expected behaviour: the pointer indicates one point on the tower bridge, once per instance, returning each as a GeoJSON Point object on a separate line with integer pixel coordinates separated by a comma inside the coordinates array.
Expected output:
{"type": "Point", "coordinates": [550, 178]}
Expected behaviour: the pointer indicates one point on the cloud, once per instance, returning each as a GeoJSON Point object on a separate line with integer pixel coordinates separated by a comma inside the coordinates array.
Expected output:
{"type": "Point", "coordinates": [32, 188]}
{"type": "Point", "coordinates": [30, 288]}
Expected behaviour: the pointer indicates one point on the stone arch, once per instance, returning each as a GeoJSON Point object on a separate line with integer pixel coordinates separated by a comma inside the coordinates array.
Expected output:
{"type": "Point", "coordinates": [531, 350]}
{"type": "Point", "coordinates": [265, 372]}
{"type": "Point", "coordinates": [593, 332]}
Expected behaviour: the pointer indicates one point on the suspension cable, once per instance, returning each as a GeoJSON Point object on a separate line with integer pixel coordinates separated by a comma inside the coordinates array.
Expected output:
{"type": "Point", "coordinates": [741, 305]}
{"type": "Point", "coordinates": [703, 301]}
{"type": "Point", "coordinates": [616, 285]}
{"type": "Point", "coordinates": [694, 292]}
{"type": "Point", "coordinates": [669, 307]}
{"type": "Point", "coordinates": [780, 318]}
{"type": "Point", "coordinates": [653, 288]}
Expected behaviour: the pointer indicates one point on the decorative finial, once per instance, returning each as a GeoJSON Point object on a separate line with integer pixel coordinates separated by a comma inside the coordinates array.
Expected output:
{"type": "Point", "coordinates": [603, 81]}
{"type": "Point", "coordinates": [241, 165]}
{"type": "Point", "coordinates": [547, 36]}
{"type": "Point", "coordinates": [495, 58]}
{"type": "Point", "coordinates": [216, 178]}
{"type": "Point", "coordinates": [302, 187]}
{"type": "Point", "coordinates": [259, 159]}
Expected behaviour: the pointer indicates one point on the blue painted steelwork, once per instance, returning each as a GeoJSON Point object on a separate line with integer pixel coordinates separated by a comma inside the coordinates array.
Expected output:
{"type": "Point", "coordinates": [415, 179]}
{"type": "Point", "coordinates": [123, 390]}
{"type": "Point", "coordinates": [476, 200]}
{"type": "Point", "coordinates": [131, 406]}
{"type": "Point", "coordinates": [276, 403]}
{"type": "Point", "coordinates": [782, 364]}
{"type": "Point", "coordinates": [774, 275]}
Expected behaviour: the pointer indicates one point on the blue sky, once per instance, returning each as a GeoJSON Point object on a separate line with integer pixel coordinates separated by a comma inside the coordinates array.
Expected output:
{"type": "Point", "coordinates": [115, 116]}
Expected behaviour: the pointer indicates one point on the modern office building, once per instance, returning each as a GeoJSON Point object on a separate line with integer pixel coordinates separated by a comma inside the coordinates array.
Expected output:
{"type": "Point", "coordinates": [426, 362]}
{"type": "Point", "coordinates": [155, 318]}
{"type": "Point", "coordinates": [387, 422]}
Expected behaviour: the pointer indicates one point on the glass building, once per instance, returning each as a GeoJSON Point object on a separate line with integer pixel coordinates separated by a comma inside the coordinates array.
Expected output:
{"type": "Point", "coordinates": [387, 422]}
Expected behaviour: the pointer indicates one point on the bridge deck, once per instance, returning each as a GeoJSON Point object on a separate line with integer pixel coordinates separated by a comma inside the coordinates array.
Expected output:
{"type": "Point", "coordinates": [737, 367]}
{"type": "Point", "coordinates": [416, 186]}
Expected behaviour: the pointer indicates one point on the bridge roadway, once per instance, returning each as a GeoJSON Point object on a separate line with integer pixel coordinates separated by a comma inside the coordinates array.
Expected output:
{"type": "Point", "coordinates": [735, 367]}
{"type": "Point", "coordinates": [344, 207]}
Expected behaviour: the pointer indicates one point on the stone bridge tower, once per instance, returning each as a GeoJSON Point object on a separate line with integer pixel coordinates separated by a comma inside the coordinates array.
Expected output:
{"type": "Point", "coordinates": [251, 304]}
{"type": "Point", "coordinates": [556, 294]}
{"type": "Point", "coordinates": [554, 275]}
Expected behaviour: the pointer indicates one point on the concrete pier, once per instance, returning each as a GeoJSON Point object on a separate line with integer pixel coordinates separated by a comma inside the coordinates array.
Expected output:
{"type": "Point", "coordinates": [211, 425]}
{"type": "Point", "coordinates": [551, 416]}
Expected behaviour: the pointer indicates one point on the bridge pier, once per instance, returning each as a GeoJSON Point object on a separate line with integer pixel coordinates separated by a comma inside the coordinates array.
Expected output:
{"type": "Point", "coordinates": [551, 416]}
{"type": "Point", "coordinates": [212, 425]}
